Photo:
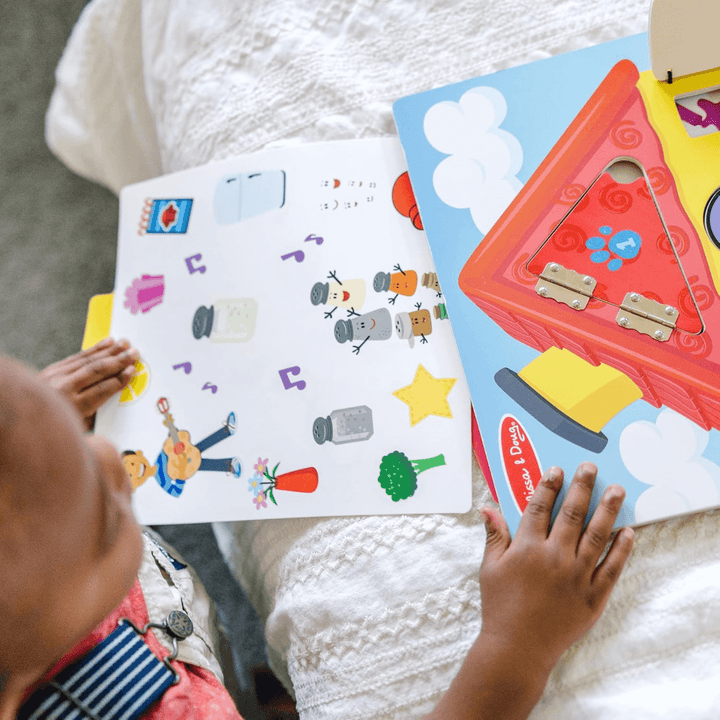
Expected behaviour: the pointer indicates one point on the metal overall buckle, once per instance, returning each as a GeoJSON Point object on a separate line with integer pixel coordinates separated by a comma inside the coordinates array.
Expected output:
{"type": "Point", "coordinates": [177, 625]}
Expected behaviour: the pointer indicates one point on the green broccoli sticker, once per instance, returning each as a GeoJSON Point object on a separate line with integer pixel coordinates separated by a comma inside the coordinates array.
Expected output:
{"type": "Point", "coordinates": [398, 475]}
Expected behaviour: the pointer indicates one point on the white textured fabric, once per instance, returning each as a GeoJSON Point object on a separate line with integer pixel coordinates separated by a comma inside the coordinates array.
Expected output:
{"type": "Point", "coordinates": [371, 617]}
{"type": "Point", "coordinates": [99, 122]}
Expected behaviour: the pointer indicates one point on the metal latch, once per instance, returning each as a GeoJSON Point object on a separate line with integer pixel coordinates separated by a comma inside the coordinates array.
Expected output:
{"type": "Point", "coordinates": [565, 286]}
{"type": "Point", "coordinates": [647, 316]}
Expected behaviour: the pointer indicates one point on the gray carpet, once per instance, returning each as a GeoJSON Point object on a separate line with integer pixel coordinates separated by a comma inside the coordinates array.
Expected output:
{"type": "Point", "coordinates": [57, 249]}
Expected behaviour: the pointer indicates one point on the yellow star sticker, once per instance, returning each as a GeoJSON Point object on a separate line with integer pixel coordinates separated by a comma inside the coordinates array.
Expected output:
{"type": "Point", "coordinates": [426, 395]}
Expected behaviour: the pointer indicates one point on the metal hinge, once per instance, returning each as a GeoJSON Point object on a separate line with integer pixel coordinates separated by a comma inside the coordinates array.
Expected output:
{"type": "Point", "coordinates": [647, 316]}
{"type": "Point", "coordinates": [565, 286]}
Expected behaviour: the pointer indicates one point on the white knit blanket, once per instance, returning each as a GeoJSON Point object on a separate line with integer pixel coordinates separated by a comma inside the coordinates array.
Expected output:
{"type": "Point", "coordinates": [371, 617]}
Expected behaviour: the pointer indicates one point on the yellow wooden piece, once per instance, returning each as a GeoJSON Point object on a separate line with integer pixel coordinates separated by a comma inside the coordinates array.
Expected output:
{"type": "Point", "coordinates": [590, 395]}
{"type": "Point", "coordinates": [694, 161]}
{"type": "Point", "coordinates": [97, 323]}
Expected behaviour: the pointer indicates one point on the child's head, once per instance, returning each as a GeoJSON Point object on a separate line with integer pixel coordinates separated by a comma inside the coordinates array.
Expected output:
{"type": "Point", "coordinates": [69, 545]}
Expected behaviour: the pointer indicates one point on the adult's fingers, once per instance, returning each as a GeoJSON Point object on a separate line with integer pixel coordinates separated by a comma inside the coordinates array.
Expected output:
{"type": "Point", "coordinates": [608, 571]}
{"type": "Point", "coordinates": [535, 520]}
{"type": "Point", "coordinates": [571, 516]}
{"type": "Point", "coordinates": [597, 534]}
{"type": "Point", "coordinates": [90, 399]}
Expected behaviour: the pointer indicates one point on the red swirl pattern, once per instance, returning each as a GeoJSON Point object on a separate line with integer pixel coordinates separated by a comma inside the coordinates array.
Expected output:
{"type": "Point", "coordinates": [614, 199]}
{"type": "Point", "coordinates": [625, 135]}
{"type": "Point", "coordinates": [699, 346]}
{"type": "Point", "coordinates": [570, 194]}
{"type": "Point", "coordinates": [679, 240]}
{"type": "Point", "coordinates": [687, 306]}
{"type": "Point", "coordinates": [660, 182]}
{"type": "Point", "coordinates": [704, 296]}
{"type": "Point", "coordinates": [521, 273]}
{"type": "Point", "coordinates": [569, 237]}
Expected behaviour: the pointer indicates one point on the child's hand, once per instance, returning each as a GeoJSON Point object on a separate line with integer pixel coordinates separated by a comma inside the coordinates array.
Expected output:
{"type": "Point", "coordinates": [540, 593]}
{"type": "Point", "coordinates": [92, 376]}
{"type": "Point", "coordinates": [545, 590]}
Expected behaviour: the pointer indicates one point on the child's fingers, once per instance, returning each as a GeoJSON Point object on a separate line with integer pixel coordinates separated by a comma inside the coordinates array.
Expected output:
{"type": "Point", "coordinates": [598, 531]}
{"type": "Point", "coordinates": [535, 520]}
{"type": "Point", "coordinates": [571, 517]}
{"type": "Point", "coordinates": [608, 571]}
{"type": "Point", "coordinates": [497, 535]}
{"type": "Point", "coordinates": [90, 399]}
{"type": "Point", "coordinates": [104, 343]}
{"type": "Point", "coordinates": [73, 360]}
{"type": "Point", "coordinates": [100, 367]}
{"type": "Point", "coordinates": [107, 347]}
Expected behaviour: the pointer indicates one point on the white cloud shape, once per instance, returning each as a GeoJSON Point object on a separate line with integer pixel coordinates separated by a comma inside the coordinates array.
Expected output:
{"type": "Point", "coordinates": [667, 455]}
{"type": "Point", "coordinates": [479, 173]}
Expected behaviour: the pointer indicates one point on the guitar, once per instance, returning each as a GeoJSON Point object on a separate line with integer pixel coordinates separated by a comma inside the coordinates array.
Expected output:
{"type": "Point", "coordinates": [183, 458]}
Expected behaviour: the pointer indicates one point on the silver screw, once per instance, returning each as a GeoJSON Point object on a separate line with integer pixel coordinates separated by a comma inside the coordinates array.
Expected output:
{"type": "Point", "coordinates": [669, 310]}
{"type": "Point", "coordinates": [588, 280]}
{"type": "Point", "coordinates": [576, 304]}
{"type": "Point", "coordinates": [623, 321]}
{"type": "Point", "coordinates": [659, 334]}
{"type": "Point", "coordinates": [542, 291]}
{"type": "Point", "coordinates": [634, 297]}
{"type": "Point", "coordinates": [554, 267]}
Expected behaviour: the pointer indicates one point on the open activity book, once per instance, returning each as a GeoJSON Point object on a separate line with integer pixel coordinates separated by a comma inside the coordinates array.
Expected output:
{"type": "Point", "coordinates": [296, 357]}
{"type": "Point", "coordinates": [572, 210]}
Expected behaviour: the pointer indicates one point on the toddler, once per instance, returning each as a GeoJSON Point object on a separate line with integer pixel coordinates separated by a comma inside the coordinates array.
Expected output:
{"type": "Point", "coordinates": [81, 580]}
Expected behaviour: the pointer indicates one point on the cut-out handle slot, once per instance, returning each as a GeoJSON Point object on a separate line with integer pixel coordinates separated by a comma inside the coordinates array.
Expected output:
{"type": "Point", "coordinates": [625, 171]}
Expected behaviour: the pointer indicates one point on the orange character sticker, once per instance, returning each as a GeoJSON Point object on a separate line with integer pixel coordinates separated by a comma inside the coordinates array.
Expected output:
{"type": "Point", "coordinates": [401, 282]}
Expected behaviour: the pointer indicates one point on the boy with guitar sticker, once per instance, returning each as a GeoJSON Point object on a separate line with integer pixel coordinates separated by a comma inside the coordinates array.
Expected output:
{"type": "Point", "coordinates": [179, 459]}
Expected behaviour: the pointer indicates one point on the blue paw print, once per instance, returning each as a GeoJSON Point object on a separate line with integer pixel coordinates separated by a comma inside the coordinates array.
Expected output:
{"type": "Point", "coordinates": [625, 244]}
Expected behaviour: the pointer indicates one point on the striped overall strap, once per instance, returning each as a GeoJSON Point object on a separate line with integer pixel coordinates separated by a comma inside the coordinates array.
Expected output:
{"type": "Point", "coordinates": [117, 680]}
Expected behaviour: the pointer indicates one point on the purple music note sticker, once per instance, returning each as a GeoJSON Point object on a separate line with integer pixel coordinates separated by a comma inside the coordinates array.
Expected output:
{"type": "Point", "coordinates": [316, 238]}
{"type": "Point", "coordinates": [187, 367]}
{"type": "Point", "coordinates": [295, 370]}
{"type": "Point", "coordinates": [299, 255]}
{"type": "Point", "coordinates": [210, 386]}
{"type": "Point", "coordinates": [191, 267]}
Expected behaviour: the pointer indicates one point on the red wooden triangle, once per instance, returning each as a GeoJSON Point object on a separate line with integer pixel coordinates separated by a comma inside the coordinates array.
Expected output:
{"type": "Point", "coordinates": [563, 209]}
